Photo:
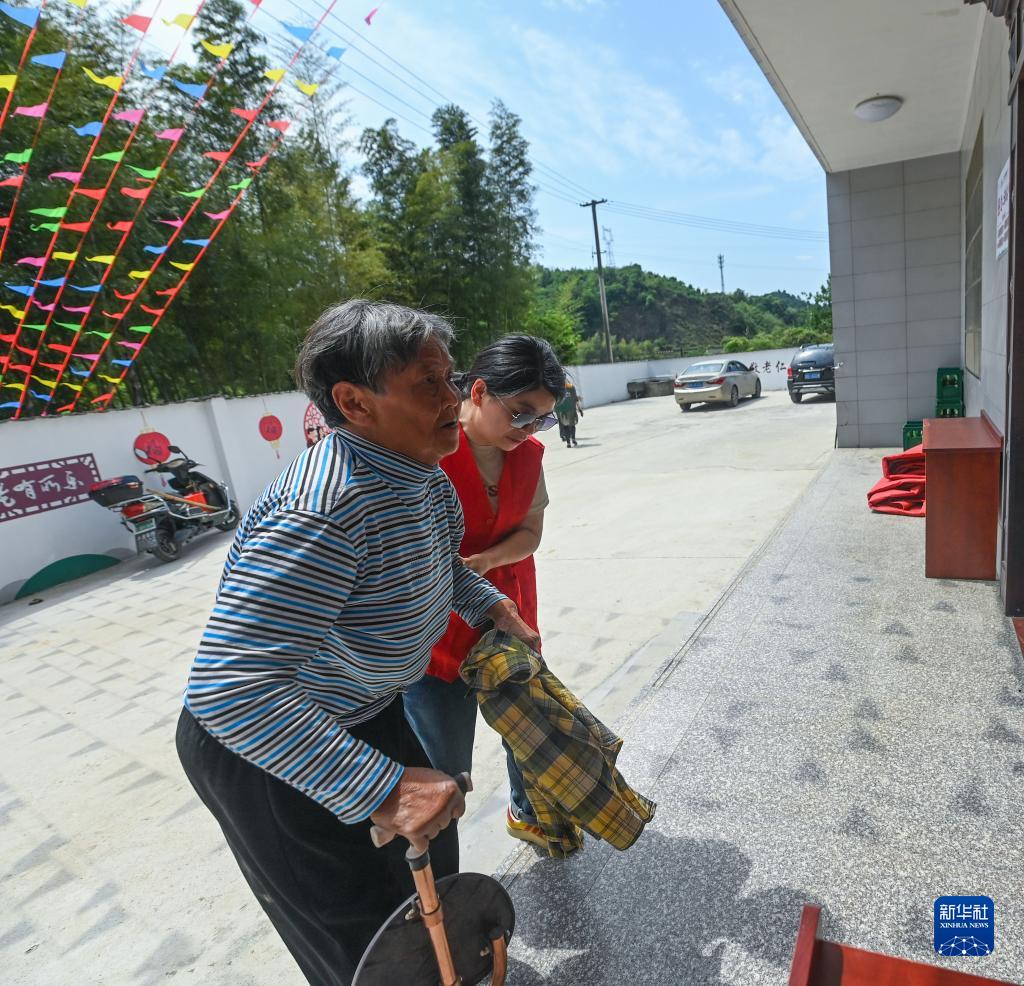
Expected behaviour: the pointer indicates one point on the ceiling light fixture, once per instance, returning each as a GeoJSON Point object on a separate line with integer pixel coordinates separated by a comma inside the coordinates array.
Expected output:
{"type": "Point", "coordinates": [878, 108]}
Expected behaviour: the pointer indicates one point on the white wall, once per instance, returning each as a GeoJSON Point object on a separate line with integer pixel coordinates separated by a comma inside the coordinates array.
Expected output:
{"type": "Point", "coordinates": [605, 383]}
{"type": "Point", "coordinates": [221, 434]}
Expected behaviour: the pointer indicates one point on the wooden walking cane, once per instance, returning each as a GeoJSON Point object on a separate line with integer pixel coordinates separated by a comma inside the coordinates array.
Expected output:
{"type": "Point", "coordinates": [463, 944]}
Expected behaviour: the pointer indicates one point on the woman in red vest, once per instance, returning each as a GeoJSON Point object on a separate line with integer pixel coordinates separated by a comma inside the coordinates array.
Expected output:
{"type": "Point", "coordinates": [509, 394]}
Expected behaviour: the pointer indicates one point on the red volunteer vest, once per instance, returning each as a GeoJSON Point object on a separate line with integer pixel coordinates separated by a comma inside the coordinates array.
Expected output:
{"type": "Point", "coordinates": [484, 528]}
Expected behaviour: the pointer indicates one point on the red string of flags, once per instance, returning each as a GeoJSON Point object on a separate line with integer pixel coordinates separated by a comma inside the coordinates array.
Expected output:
{"type": "Point", "coordinates": [42, 367]}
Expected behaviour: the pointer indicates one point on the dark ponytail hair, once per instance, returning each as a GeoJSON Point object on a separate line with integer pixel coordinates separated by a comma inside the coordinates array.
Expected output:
{"type": "Point", "coordinates": [514, 365]}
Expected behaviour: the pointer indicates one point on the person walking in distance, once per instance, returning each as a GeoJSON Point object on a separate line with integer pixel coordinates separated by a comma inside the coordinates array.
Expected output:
{"type": "Point", "coordinates": [569, 411]}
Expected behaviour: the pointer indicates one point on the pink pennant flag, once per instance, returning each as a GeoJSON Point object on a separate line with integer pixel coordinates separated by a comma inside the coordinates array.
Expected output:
{"type": "Point", "coordinates": [248, 115]}
{"type": "Point", "coordinates": [33, 261]}
{"type": "Point", "coordinates": [131, 345]}
{"type": "Point", "coordinates": [369, 17]}
{"type": "Point", "coordinates": [138, 22]}
{"type": "Point", "coordinates": [72, 176]}
{"type": "Point", "coordinates": [176, 223]}
{"type": "Point", "coordinates": [256, 165]}
{"type": "Point", "coordinates": [12, 182]}
{"type": "Point", "coordinates": [130, 116]}
{"type": "Point", "coordinates": [89, 356]}
{"type": "Point", "coordinates": [217, 155]}
{"type": "Point", "coordinates": [44, 308]}
{"type": "Point", "coordinates": [281, 125]}
{"type": "Point", "coordinates": [136, 193]}
{"type": "Point", "coordinates": [91, 193]}
{"type": "Point", "coordinates": [77, 311]}
{"type": "Point", "coordinates": [38, 111]}
{"type": "Point", "coordinates": [172, 134]}
{"type": "Point", "coordinates": [218, 215]}
{"type": "Point", "coordinates": [122, 227]}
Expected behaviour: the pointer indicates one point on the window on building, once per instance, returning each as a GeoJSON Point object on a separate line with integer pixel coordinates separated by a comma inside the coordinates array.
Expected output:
{"type": "Point", "coordinates": [973, 240]}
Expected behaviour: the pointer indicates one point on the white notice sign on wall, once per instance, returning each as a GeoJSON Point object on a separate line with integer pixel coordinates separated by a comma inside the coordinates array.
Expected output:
{"type": "Point", "coordinates": [1003, 211]}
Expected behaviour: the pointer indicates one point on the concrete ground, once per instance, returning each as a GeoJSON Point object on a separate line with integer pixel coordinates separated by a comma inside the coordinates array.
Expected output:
{"type": "Point", "coordinates": [113, 873]}
{"type": "Point", "coordinates": [840, 731]}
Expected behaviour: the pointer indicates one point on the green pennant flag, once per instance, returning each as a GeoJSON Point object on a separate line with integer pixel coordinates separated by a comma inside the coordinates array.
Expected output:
{"type": "Point", "coordinates": [146, 172]}
{"type": "Point", "coordinates": [102, 335]}
{"type": "Point", "coordinates": [19, 157]}
{"type": "Point", "coordinates": [50, 213]}
{"type": "Point", "coordinates": [244, 183]}
{"type": "Point", "coordinates": [141, 329]}
{"type": "Point", "coordinates": [36, 326]}
{"type": "Point", "coordinates": [73, 326]}
{"type": "Point", "coordinates": [110, 156]}
{"type": "Point", "coordinates": [49, 227]}
{"type": "Point", "coordinates": [198, 193]}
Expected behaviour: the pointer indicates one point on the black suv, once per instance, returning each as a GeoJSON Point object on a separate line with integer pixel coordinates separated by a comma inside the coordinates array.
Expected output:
{"type": "Point", "coordinates": [812, 371]}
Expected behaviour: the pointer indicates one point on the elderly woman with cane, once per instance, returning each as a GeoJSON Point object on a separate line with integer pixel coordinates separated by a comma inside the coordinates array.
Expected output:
{"type": "Point", "coordinates": [340, 580]}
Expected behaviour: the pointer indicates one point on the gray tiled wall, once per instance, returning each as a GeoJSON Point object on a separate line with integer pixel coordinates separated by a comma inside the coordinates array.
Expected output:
{"type": "Point", "coordinates": [895, 244]}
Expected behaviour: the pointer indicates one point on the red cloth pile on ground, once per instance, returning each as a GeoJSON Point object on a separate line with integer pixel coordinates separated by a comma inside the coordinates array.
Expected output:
{"type": "Point", "coordinates": [901, 489]}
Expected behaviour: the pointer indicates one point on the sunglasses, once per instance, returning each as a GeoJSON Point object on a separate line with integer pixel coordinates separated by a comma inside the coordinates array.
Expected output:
{"type": "Point", "coordinates": [526, 420]}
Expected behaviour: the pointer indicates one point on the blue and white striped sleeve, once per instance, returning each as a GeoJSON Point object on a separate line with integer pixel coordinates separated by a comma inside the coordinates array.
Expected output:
{"type": "Point", "coordinates": [289, 581]}
{"type": "Point", "coordinates": [472, 594]}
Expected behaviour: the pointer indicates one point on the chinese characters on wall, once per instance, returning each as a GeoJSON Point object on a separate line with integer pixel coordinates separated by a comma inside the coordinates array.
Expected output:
{"type": "Point", "coordinates": [40, 486]}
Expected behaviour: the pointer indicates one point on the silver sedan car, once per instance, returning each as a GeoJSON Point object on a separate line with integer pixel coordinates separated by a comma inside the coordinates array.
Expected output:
{"type": "Point", "coordinates": [716, 382]}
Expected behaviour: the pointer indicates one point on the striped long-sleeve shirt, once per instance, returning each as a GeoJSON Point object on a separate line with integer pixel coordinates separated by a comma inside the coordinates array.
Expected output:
{"type": "Point", "coordinates": [339, 581]}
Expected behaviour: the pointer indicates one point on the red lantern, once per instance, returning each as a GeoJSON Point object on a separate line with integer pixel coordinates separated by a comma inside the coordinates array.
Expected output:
{"type": "Point", "coordinates": [152, 448]}
{"type": "Point", "coordinates": [271, 431]}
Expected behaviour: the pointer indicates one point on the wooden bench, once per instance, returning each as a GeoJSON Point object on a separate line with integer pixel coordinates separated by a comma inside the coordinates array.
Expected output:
{"type": "Point", "coordinates": [824, 963]}
{"type": "Point", "coordinates": [963, 458]}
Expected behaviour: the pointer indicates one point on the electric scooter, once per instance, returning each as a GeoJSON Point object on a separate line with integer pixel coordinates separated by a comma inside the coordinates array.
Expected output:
{"type": "Point", "coordinates": [163, 522]}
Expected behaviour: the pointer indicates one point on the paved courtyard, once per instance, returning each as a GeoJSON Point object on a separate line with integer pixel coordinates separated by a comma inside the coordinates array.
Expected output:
{"type": "Point", "coordinates": [113, 873]}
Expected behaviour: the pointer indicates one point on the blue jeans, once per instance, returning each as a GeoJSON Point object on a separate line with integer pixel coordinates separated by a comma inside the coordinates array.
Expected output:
{"type": "Point", "coordinates": [443, 717]}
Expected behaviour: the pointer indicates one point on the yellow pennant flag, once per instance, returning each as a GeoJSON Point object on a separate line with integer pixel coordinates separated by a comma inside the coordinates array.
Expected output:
{"type": "Point", "coordinates": [61, 255]}
{"type": "Point", "coordinates": [106, 258]}
{"type": "Point", "coordinates": [13, 386]}
{"type": "Point", "coordinates": [71, 386]}
{"type": "Point", "coordinates": [46, 383]}
{"type": "Point", "coordinates": [103, 376]}
{"type": "Point", "coordinates": [174, 263]}
{"type": "Point", "coordinates": [184, 21]}
{"type": "Point", "coordinates": [16, 312]}
{"type": "Point", "coordinates": [275, 74]}
{"type": "Point", "coordinates": [139, 275]}
{"type": "Point", "coordinates": [307, 87]}
{"type": "Point", "coordinates": [8, 82]}
{"type": "Point", "coordinates": [110, 81]}
{"type": "Point", "coordinates": [79, 3]}
{"type": "Point", "coordinates": [220, 51]}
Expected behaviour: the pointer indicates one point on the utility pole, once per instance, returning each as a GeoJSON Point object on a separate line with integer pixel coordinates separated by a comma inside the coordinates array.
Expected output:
{"type": "Point", "coordinates": [592, 205]}
{"type": "Point", "coordinates": [721, 269]}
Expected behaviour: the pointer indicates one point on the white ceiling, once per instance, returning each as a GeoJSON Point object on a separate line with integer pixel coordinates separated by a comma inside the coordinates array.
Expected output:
{"type": "Point", "coordinates": [825, 56]}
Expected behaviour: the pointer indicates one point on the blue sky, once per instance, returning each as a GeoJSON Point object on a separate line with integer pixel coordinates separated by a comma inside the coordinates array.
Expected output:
{"type": "Point", "coordinates": [655, 104]}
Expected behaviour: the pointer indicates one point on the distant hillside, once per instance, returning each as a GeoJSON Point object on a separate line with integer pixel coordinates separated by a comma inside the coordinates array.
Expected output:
{"type": "Point", "coordinates": [652, 314]}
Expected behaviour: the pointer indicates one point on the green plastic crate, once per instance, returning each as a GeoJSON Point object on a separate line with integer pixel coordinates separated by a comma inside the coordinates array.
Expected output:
{"type": "Point", "coordinates": [949, 409]}
{"type": "Point", "coordinates": [913, 434]}
{"type": "Point", "coordinates": [949, 384]}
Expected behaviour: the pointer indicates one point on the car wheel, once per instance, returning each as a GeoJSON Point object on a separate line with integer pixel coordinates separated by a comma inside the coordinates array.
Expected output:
{"type": "Point", "coordinates": [685, 407]}
{"type": "Point", "coordinates": [734, 396]}
{"type": "Point", "coordinates": [795, 396]}
{"type": "Point", "coordinates": [757, 389]}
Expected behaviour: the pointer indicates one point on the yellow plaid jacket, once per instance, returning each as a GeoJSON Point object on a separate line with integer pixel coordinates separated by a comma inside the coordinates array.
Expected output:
{"type": "Point", "coordinates": [566, 756]}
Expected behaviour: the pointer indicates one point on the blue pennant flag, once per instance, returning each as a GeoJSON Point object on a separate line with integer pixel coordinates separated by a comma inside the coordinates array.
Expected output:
{"type": "Point", "coordinates": [196, 92]}
{"type": "Point", "coordinates": [302, 33]}
{"type": "Point", "coordinates": [41, 397]}
{"type": "Point", "coordinates": [79, 373]}
{"type": "Point", "coordinates": [56, 60]}
{"type": "Point", "coordinates": [11, 404]}
{"type": "Point", "coordinates": [23, 15]}
{"type": "Point", "coordinates": [56, 282]}
{"type": "Point", "coordinates": [93, 129]}
{"type": "Point", "coordinates": [87, 288]}
{"type": "Point", "coordinates": [20, 288]}
{"type": "Point", "coordinates": [198, 243]}
{"type": "Point", "coordinates": [157, 73]}
{"type": "Point", "coordinates": [121, 362]}
{"type": "Point", "coordinates": [336, 52]}
{"type": "Point", "coordinates": [155, 249]}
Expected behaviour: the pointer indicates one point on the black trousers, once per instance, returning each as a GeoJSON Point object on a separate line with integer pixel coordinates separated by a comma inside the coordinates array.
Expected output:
{"type": "Point", "coordinates": [323, 884]}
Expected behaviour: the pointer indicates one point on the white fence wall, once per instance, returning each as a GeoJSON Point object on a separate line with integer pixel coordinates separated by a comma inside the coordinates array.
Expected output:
{"type": "Point", "coordinates": [605, 383]}
{"type": "Point", "coordinates": [224, 436]}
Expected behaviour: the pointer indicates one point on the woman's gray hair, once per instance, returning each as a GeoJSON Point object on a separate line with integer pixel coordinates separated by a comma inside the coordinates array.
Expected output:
{"type": "Point", "coordinates": [362, 342]}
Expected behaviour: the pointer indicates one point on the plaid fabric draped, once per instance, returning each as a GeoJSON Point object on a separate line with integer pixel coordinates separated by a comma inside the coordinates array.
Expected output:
{"type": "Point", "coordinates": [567, 757]}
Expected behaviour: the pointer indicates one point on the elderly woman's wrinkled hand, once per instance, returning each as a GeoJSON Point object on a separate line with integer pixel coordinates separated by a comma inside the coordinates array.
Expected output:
{"type": "Point", "coordinates": [505, 616]}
